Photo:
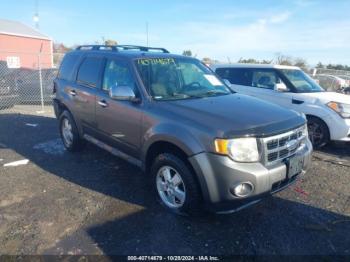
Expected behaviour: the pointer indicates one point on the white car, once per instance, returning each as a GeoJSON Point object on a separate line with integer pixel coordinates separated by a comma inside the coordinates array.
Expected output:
{"type": "Point", "coordinates": [328, 113]}
{"type": "Point", "coordinates": [332, 83]}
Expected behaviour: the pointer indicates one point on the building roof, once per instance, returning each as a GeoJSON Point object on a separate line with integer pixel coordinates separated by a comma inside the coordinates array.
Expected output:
{"type": "Point", "coordinates": [242, 65]}
{"type": "Point", "coordinates": [9, 27]}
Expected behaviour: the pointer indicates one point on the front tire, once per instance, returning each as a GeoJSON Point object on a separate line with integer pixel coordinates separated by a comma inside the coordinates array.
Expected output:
{"type": "Point", "coordinates": [318, 132]}
{"type": "Point", "coordinates": [175, 184]}
{"type": "Point", "coordinates": [69, 133]}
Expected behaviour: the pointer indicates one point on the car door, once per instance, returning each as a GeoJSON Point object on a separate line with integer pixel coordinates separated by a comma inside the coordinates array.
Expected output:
{"type": "Point", "coordinates": [119, 122]}
{"type": "Point", "coordinates": [83, 91]}
{"type": "Point", "coordinates": [264, 82]}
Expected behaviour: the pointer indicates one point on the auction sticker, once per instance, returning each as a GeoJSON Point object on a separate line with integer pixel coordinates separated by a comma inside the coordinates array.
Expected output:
{"type": "Point", "coordinates": [213, 80]}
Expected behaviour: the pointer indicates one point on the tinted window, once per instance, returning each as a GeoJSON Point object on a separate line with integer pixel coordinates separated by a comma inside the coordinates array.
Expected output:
{"type": "Point", "coordinates": [89, 71]}
{"type": "Point", "coordinates": [236, 76]}
{"type": "Point", "coordinates": [117, 73]}
{"type": "Point", "coordinates": [67, 66]}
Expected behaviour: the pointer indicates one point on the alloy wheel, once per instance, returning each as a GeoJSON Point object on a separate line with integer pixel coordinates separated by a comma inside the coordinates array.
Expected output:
{"type": "Point", "coordinates": [170, 187]}
{"type": "Point", "coordinates": [67, 132]}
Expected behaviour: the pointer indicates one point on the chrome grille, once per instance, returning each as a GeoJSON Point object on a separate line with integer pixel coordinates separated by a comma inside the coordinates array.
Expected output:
{"type": "Point", "coordinates": [279, 147]}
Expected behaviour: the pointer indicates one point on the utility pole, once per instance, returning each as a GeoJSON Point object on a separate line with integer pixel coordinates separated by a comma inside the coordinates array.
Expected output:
{"type": "Point", "coordinates": [36, 15]}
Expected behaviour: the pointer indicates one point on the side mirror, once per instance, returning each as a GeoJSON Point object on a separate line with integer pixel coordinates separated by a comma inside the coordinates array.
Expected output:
{"type": "Point", "coordinates": [281, 87]}
{"type": "Point", "coordinates": [226, 82]}
{"type": "Point", "coordinates": [122, 93]}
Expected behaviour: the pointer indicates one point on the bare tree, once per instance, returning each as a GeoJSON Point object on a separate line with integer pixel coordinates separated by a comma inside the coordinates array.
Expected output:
{"type": "Point", "coordinates": [300, 62]}
{"type": "Point", "coordinates": [110, 42]}
{"type": "Point", "coordinates": [283, 59]}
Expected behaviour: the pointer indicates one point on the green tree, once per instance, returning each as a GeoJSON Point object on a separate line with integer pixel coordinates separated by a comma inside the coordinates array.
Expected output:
{"type": "Point", "coordinates": [254, 61]}
{"type": "Point", "coordinates": [319, 65]}
{"type": "Point", "coordinates": [187, 53]}
{"type": "Point", "coordinates": [248, 61]}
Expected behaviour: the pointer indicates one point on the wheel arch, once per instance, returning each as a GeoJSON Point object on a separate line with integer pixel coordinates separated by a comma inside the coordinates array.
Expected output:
{"type": "Point", "coordinates": [60, 107]}
{"type": "Point", "coordinates": [310, 116]}
{"type": "Point", "coordinates": [159, 147]}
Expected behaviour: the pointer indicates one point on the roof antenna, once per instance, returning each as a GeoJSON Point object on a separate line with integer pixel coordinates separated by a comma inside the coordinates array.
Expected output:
{"type": "Point", "coordinates": [36, 15]}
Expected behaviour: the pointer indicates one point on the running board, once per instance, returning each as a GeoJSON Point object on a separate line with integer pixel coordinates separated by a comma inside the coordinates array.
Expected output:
{"type": "Point", "coordinates": [113, 151]}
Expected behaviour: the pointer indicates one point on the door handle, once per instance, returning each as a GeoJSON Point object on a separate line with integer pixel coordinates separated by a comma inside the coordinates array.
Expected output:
{"type": "Point", "coordinates": [102, 103]}
{"type": "Point", "coordinates": [72, 92]}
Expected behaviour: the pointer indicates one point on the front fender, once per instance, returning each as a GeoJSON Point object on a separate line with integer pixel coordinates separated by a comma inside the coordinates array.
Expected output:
{"type": "Point", "coordinates": [174, 134]}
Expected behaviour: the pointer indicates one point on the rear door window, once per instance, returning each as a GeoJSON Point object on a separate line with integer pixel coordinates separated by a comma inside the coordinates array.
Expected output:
{"type": "Point", "coordinates": [89, 71]}
{"type": "Point", "coordinates": [236, 76]}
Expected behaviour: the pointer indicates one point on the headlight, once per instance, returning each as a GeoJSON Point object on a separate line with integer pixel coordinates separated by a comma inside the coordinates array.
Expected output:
{"type": "Point", "coordinates": [342, 109]}
{"type": "Point", "coordinates": [305, 131]}
{"type": "Point", "coordinates": [239, 149]}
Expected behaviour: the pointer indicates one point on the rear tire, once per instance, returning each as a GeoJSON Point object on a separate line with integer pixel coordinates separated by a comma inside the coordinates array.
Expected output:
{"type": "Point", "coordinates": [318, 132]}
{"type": "Point", "coordinates": [69, 132]}
{"type": "Point", "coordinates": [175, 185]}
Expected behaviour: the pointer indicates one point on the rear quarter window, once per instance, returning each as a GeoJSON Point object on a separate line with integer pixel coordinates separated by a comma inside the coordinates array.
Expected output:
{"type": "Point", "coordinates": [67, 67]}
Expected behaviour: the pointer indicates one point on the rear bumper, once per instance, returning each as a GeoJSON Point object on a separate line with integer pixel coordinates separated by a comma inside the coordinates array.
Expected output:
{"type": "Point", "coordinates": [218, 174]}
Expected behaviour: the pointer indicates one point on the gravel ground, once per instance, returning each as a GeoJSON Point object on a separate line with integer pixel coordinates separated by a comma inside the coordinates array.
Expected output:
{"type": "Point", "coordinates": [94, 203]}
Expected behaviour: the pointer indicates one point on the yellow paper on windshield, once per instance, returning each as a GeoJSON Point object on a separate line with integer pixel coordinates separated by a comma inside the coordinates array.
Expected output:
{"type": "Point", "coordinates": [213, 80]}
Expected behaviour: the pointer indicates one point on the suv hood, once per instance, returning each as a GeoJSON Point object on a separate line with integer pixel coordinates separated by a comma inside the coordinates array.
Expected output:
{"type": "Point", "coordinates": [326, 97]}
{"type": "Point", "coordinates": [233, 115]}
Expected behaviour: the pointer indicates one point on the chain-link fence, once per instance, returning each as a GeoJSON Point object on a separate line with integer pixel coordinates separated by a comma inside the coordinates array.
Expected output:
{"type": "Point", "coordinates": [26, 82]}
{"type": "Point", "coordinates": [332, 79]}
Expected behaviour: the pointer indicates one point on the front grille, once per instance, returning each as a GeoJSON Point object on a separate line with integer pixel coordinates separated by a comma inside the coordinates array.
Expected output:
{"type": "Point", "coordinates": [279, 147]}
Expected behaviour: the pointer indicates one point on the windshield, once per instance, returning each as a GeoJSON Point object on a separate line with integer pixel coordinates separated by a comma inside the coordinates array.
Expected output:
{"type": "Point", "coordinates": [170, 78]}
{"type": "Point", "coordinates": [301, 81]}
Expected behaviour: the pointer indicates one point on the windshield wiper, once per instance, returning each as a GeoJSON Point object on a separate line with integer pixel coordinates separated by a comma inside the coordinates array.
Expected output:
{"type": "Point", "coordinates": [216, 92]}
{"type": "Point", "coordinates": [186, 95]}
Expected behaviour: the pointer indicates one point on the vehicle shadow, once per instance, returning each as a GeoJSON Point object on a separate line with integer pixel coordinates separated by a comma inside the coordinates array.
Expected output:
{"type": "Point", "coordinates": [135, 224]}
{"type": "Point", "coordinates": [340, 149]}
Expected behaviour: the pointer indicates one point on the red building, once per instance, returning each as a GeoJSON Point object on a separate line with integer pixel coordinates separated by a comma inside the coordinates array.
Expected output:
{"type": "Point", "coordinates": [23, 46]}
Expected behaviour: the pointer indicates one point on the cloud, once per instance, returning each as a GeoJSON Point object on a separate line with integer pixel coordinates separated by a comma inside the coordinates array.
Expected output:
{"type": "Point", "coordinates": [279, 18]}
{"type": "Point", "coordinates": [318, 41]}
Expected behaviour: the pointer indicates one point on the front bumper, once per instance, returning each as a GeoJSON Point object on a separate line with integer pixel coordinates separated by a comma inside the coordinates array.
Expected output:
{"type": "Point", "coordinates": [347, 137]}
{"type": "Point", "coordinates": [218, 174]}
{"type": "Point", "coordinates": [339, 128]}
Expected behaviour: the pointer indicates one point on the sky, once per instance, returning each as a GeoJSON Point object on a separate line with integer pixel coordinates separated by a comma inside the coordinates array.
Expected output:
{"type": "Point", "coordinates": [226, 30]}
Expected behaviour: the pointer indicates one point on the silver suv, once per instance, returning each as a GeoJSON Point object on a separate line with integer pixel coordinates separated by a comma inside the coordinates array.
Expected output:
{"type": "Point", "coordinates": [203, 145]}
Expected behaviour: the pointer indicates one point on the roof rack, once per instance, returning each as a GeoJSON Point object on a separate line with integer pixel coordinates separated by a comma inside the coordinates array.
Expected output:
{"type": "Point", "coordinates": [142, 48]}
{"type": "Point", "coordinates": [123, 47]}
{"type": "Point", "coordinates": [97, 47]}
